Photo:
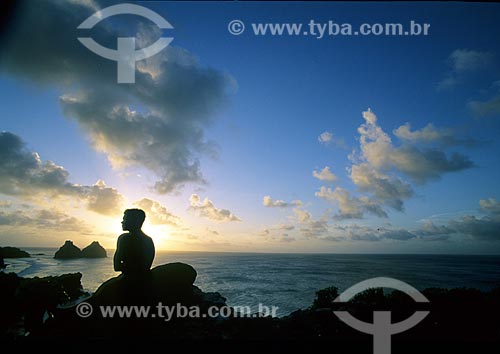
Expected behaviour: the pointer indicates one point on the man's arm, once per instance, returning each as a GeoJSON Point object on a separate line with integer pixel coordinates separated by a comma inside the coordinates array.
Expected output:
{"type": "Point", "coordinates": [151, 252]}
{"type": "Point", "coordinates": [117, 259]}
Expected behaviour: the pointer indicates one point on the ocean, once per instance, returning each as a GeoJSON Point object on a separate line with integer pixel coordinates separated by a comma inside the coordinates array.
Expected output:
{"type": "Point", "coordinates": [287, 281]}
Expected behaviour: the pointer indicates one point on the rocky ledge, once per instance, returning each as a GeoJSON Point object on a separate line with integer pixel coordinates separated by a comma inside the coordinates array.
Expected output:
{"type": "Point", "coordinates": [456, 316]}
{"type": "Point", "coordinates": [13, 252]}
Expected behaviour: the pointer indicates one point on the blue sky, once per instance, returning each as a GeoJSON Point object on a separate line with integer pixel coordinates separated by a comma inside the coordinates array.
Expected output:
{"type": "Point", "coordinates": [407, 162]}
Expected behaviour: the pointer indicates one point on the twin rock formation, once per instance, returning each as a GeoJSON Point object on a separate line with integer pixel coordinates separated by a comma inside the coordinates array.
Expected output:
{"type": "Point", "coordinates": [69, 251]}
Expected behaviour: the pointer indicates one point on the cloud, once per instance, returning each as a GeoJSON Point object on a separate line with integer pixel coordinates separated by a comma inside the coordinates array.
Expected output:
{"type": "Point", "coordinates": [279, 233]}
{"type": "Point", "coordinates": [486, 228]}
{"type": "Point", "coordinates": [23, 174]}
{"type": "Point", "coordinates": [158, 123]}
{"type": "Point", "coordinates": [489, 107]}
{"type": "Point", "coordinates": [388, 190]}
{"type": "Point", "coordinates": [384, 234]}
{"type": "Point", "coordinates": [44, 220]}
{"type": "Point", "coordinates": [325, 137]}
{"type": "Point", "coordinates": [208, 210]}
{"type": "Point", "coordinates": [309, 227]}
{"type": "Point", "coordinates": [350, 207]}
{"type": "Point", "coordinates": [431, 232]}
{"type": "Point", "coordinates": [385, 172]}
{"type": "Point", "coordinates": [303, 216]}
{"type": "Point", "coordinates": [325, 175]}
{"type": "Point", "coordinates": [431, 135]}
{"type": "Point", "coordinates": [315, 228]}
{"type": "Point", "coordinates": [462, 62]}
{"type": "Point", "coordinates": [267, 201]}
{"type": "Point", "coordinates": [490, 206]}
{"type": "Point", "coordinates": [104, 200]}
{"type": "Point", "coordinates": [157, 214]}
{"type": "Point", "coordinates": [354, 232]}
{"type": "Point", "coordinates": [420, 164]}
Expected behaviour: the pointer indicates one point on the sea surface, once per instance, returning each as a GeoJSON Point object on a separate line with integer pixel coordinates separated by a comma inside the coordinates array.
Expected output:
{"type": "Point", "coordinates": [288, 281]}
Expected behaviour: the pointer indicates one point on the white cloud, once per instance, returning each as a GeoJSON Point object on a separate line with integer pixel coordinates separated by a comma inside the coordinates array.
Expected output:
{"type": "Point", "coordinates": [430, 135]}
{"type": "Point", "coordinates": [309, 227]}
{"type": "Point", "coordinates": [325, 175]}
{"type": "Point", "coordinates": [420, 164]}
{"type": "Point", "coordinates": [267, 201]}
{"type": "Point", "coordinates": [208, 210]}
{"type": "Point", "coordinates": [325, 137]}
{"type": "Point", "coordinates": [157, 214]}
{"type": "Point", "coordinates": [350, 207]}
{"type": "Point", "coordinates": [380, 166]}
{"type": "Point", "coordinates": [490, 206]}
{"type": "Point", "coordinates": [303, 216]}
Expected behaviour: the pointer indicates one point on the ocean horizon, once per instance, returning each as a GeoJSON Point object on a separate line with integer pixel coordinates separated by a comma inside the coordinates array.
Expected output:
{"type": "Point", "coordinates": [288, 281]}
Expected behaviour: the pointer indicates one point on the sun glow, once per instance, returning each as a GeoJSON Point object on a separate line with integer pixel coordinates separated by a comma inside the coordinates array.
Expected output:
{"type": "Point", "coordinates": [159, 233]}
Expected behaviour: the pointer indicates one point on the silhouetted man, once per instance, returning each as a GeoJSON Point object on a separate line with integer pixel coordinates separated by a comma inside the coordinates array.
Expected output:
{"type": "Point", "coordinates": [135, 250]}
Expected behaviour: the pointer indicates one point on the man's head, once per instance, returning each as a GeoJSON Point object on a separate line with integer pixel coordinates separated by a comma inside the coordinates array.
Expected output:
{"type": "Point", "coordinates": [133, 219]}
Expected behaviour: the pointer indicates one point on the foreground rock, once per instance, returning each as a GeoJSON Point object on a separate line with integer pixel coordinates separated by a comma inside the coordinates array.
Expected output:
{"type": "Point", "coordinates": [94, 250]}
{"type": "Point", "coordinates": [13, 252]}
{"type": "Point", "coordinates": [456, 316]}
{"type": "Point", "coordinates": [25, 301]}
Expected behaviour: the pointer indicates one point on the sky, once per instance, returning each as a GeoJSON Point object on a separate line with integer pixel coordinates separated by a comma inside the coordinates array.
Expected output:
{"type": "Point", "coordinates": [248, 142]}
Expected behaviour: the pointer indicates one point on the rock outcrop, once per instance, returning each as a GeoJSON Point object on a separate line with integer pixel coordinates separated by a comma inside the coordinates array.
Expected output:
{"type": "Point", "coordinates": [94, 250]}
{"type": "Point", "coordinates": [13, 252]}
{"type": "Point", "coordinates": [68, 251]}
{"type": "Point", "coordinates": [456, 316]}
{"type": "Point", "coordinates": [24, 302]}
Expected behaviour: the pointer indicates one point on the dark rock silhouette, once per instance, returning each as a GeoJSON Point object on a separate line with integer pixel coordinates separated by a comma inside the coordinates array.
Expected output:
{"type": "Point", "coordinates": [2, 263]}
{"type": "Point", "coordinates": [94, 250]}
{"type": "Point", "coordinates": [168, 283]}
{"type": "Point", "coordinates": [13, 252]}
{"type": "Point", "coordinates": [68, 251]}
{"type": "Point", "coordinates": [457, 317]}
{"type": "Point", "coordinates": [25, 301]}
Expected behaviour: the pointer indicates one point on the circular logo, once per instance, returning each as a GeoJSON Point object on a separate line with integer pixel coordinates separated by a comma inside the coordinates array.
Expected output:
{"type": "Point", "coordinates": [84, 309]}
{"type": "Point", "coordinates": [236, 27]}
